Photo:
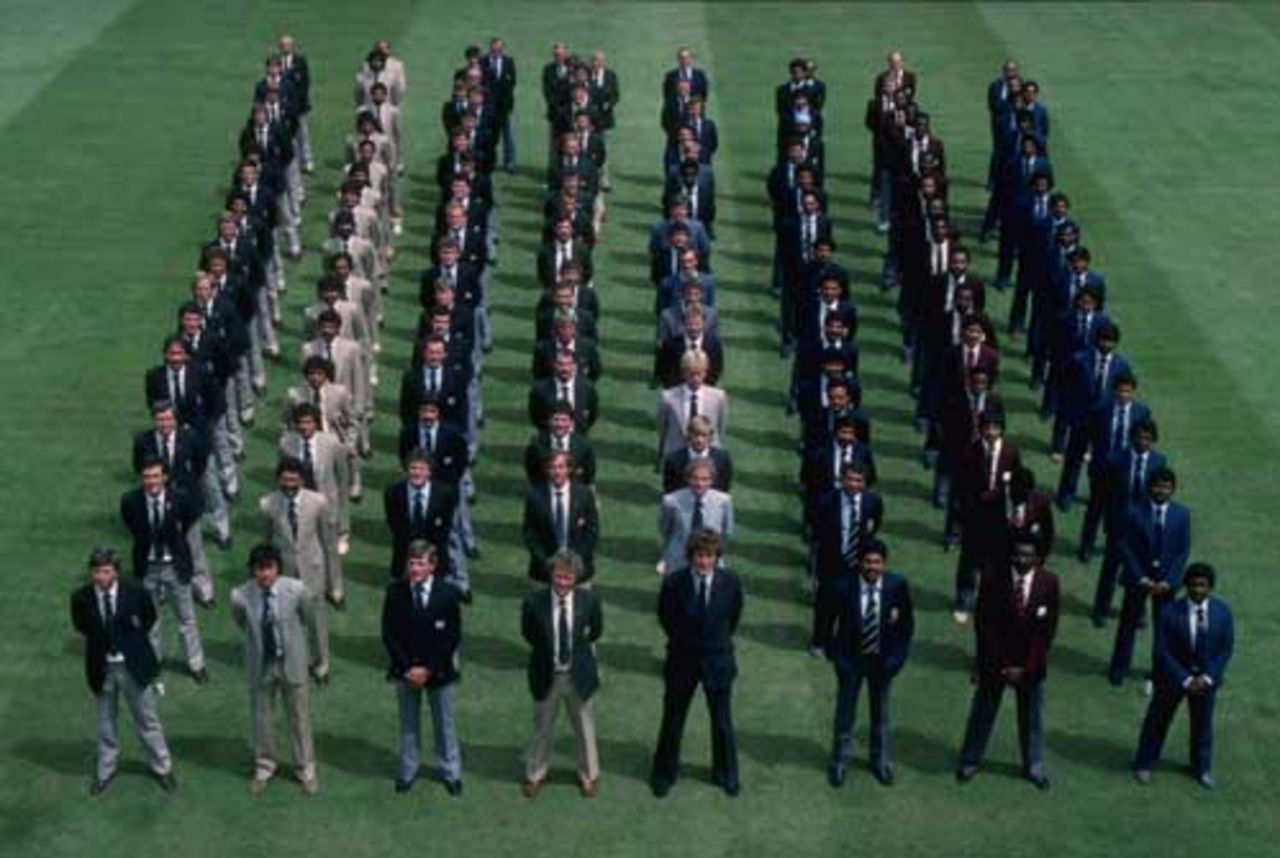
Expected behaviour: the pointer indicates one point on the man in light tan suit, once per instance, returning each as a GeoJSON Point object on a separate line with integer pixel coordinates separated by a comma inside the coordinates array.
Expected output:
{"type": "Point", "coordinates": [276, 616]}
{"type": "Point", "coordinates": [337, 411]}
{"type": "Point", "coordinates": [299, 527]}
{"type": "Point", "coordinates": [327, 463]}
{"type": "Point", "coordinates": [694, 398]}
{"type": "Point", "coordinates": [350, 365]}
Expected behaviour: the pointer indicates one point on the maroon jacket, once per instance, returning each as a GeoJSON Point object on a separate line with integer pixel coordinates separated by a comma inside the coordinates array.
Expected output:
{"type": "Point", "coordinates": [1008, 638]}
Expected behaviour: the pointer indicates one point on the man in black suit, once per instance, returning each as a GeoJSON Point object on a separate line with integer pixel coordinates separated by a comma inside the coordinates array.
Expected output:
{"type": "Point", "coordinates": [566, 385]}
{"type": "Point", "coordinates": [500, 77]}
{"type": "Point", "coordinates": [685, 70]}
{"type": "Point", "coordinates": [843, 520]}
{"type": "Point", "coordinates": [432, 374]}
{"type": "Point", "coordinates": [699, 608]}
{"type": "Point", "coordinates": [420, 508]}
{"type": "Point", "coordinates": [869, 641]}
{"type": "Point", "coordinates": [565, 338]}
{"type": "Point", "coordinates": [115, 617]}
{"type": "Point", "coordinates": [698, 446]}
{"type": "Point", "coordinates": [188, 386]}
{"type": "Point", "coordinates": [421, 630]}
{"type": "Point", "coordinates": [561, 624]}
{"type": "Point", "coordinates": [563, 249]}
{"type": "Point", "coordinates": [558, 515]}
{"type": "Point", "coordinates": [158, 518]}
{"type": "Point", "coordinates": [559, 435]}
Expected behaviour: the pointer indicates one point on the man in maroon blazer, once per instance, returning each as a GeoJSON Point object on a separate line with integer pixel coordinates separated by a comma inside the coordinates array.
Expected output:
{"type": "Point", "coordinates": [1017, 617]}
{"type": "Point", "coordinates": [985, 476]}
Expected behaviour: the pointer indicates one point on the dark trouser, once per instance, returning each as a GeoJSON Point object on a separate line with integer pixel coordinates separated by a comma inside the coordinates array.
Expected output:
{"type": "Point", "coordinates": [1010, 238]}
{"type": "Point", "coordinates": [1104, 593]}
{"type": "Point", "coordinates": [1127, 631]}
{"type": "Point", "coordinates": [824, 611]}
{"type": "Point", "coordinates": [1038, 338]}
{"type": "Point", "coordinates": [849, 684]}
{"type": "Point", "coordinates": [1021, 299]}
{"type": "Point", "coordinates": [982, 717]}
{"type": "Point", "coordinates": [675, 706]}
{"type": "Point", "coordinates": [1093, 513]}
{"type": "Point", "coordinates": [1164, 705]}
{"type": "Point", "coordinates": [1077, 444]}
{"type": "Point", "coordinates": [975, 550]}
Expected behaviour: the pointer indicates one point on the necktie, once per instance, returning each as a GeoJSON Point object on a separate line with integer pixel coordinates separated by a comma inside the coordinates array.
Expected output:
{"type": "Point", "coordinates": [1120, 436]}
{"type": "Point", "coordinates": [433, 382]}
{"type": "Point", "coordinates": [1157, 534]}
{"type": "Point", "coordinates": [420, 595]}
{"type": "Point", "coordinates": [175, 386]}
{"type": "Point", "coordinates": [853, 533]}
{"type": "Point", "coordinates": [696, 522]}
{"type": "Point", "coordinates": [700, 595]}
{"type": "Point", "coordinates": [693, 404]}
{"type": "Point", "coordinates": [561, 520]}
{"type": "Point", "coordinates": [992, 460]}
{"type": "Point", "coordinates": [109, 622]}
{"type": "Point", "coordinates": [1202, 633]}
{"type": "Point", "coordinates": [1020, 595]}
{"type": "Point", "coordinates": [871, 624]}
{"type": "Point", "coordinates": [1082, 325]}
{"type": "Point", "coordinates": [1139, 476]}
{"type": "Point", "coordinates": [293, 517]}
{"type": "Point", "coordinates": [429, 440]}
{"type": "Point", "coordinates": [563, 641]}
{"type": "Point", "coordinates": [566, 395]}
{"type": "Point", "coordinates": [157, 524]}
{"type": "Point", "coordinates": [419, 511]}
{"type": "Point", "coordinates": [1100, 378]}
{"type": "Point", "coordinates": [270, 643]}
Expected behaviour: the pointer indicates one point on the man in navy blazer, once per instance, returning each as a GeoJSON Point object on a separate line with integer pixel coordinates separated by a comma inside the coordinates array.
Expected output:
{"type": "Point", "coordinates": [1126, 487]}
{"type": "Point", "coordinates": [1197, 635]}
{"type": "Point", "coordinates": [1154, 553]}
{"type": "Point", "coordinates": [870, 641]}
{"type": "Point", "coordinates": [699, 608]}
{"type": "Point", "coordinates": [685, 70]}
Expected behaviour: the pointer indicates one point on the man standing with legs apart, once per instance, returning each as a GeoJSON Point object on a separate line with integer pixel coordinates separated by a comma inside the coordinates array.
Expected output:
{"type": "Point", "coordinates": [1192, 651]}
{"type": "Point", "coordinates": [1016, 619]}
{"type": "Point", "coordinates": [870, 641]}
{"type": "Point", "coordinates": [699, 608]}
{"type": "Point", "coordinates": [421, 630]}
{"type": "Point", "coordinates": [115, 617]}
{"type": "Point", "coordinates": [277, 616]}
{"type": "Point", "coordinates": [562, 624]}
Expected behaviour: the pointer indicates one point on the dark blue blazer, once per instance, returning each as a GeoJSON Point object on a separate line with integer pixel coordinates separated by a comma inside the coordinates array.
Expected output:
{"type": "Point", "coordinates": [700, 643]}
{"type": "Point", "coordinates": [1065, 288]}
{"type": "Point", "coordinates": [1121, 496]}
{"type": "Point", "coordinates": [1080, 392]}
{"type": "Point", "coordinates": [828, 529]}
{"type": "Point", "coordinates": [1099, 432]}
{"type": "Point", "coordinates": [897, 624]}
{"type": "Point", "coordinates": [1138, 549]}
{"type": "Point", "coordinates": [1175, 660]}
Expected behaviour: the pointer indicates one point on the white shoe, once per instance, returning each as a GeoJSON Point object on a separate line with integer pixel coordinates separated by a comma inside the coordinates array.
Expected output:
{"type": "Point", "coordinates": [344, 544]}
{"type": "Point", "coordinates": [961, 617]}
{"type": "Point", "coordinates": [1147, 688]}
{"type": "Point", "coordinates": [397, 227]}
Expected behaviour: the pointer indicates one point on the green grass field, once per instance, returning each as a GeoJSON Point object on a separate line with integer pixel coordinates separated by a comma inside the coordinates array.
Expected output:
{"type": "Point", "coordinates": [117, 124]}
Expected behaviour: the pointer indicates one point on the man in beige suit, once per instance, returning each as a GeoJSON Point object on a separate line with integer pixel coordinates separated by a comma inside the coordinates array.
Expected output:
{"type": "Point", "coordinates": [276, 616]}
{"type": "Point", "coordinates": [349, 360]}
{"type": "Point", "coordinates": [678, 405]}
{"type": "Point", "coordinates": [298, 526]}
{"type": "Point", "coordinates": [338, 415]}
{"type": "Point", "coordinates": [326, 460]}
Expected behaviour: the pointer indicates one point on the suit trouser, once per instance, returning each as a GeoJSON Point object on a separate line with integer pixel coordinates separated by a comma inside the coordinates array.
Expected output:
{"type": "Point", "coordinates": [824, 611]}
{"type": "Point", "coordinates": [508, 134]}
{"type": "Point", "coordinates": [245, 398]}
{"type": "Point", "coordinates": [1155, 726]}
{"type": "Point", "coordinates": [263, 318]}
{"type": "Point", "coordinates": [316, 590]}
{"type": "Point", "coordinates": [146, 721]}
{"type": "Point", "coordinates": [849, 684]}
{"type": "Point", "coordinates": [163, 584]}
{"type": "Point", "coordinates": [1105, 591]}
{"type": "Point", "coordinates": [304, 140]}
{"type": "Point", "coordinates": [982, 717]}
{"type": "Point", "coordinates": [1127, 630]}
{"type": "Point", "coordinates": [201, 577]}
{"type": "Point", "coordinates": [211, 485]}
{"type": "Point", "coordinates": [675, 707]}
{"type": "Point", "coordinates": [1093, 512]}
{"type": "Point", "coordinates": [297, 709]}
{"type": "Point", "coordinates": [1077, 446]}
{"type": "Point", "coordinates": [583, 718]}
{"type": "Point", "coordinates": [448, 752]}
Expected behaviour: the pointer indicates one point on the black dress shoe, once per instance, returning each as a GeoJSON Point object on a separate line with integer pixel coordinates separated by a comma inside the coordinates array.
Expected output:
{"type": "Point", "coordinates": [467, 597]}
{"type": "Point", "coordinates": [1206, 781]}
{"type": "Point", "coordinates": [403, 785]}
{"type": "Point", "coordinates": [473, 553]}
{"type": "Point", "coordinates": [660, 788]}
{"type": "Point", "coordinates": [1040, 781]}
{"type": "Point", "coordinates": [200, 676]}
{"type": "Point", "coordinates": [964, 774]}
{"type": "Point", "coordinates": [836, 775]}
{"type": "Point", "coordinates": [99, 785]}
{"type": "Point", "coordinates": [453, 787]}
{"type": "Point", "coordinates": [884, 775]}
{"type": "Point", "coordinates": [732, 788]}
{"type": "Point", "coordinates": [223, 542]}
{"type": "Point", "coordinates": [168, 782]}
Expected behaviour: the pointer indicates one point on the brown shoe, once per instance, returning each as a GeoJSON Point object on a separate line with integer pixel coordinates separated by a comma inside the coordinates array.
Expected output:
{"type": "Point", "coordinates": [588, 788]}
{"type": "Point", "coordinates": [529, 789]}
{"type": "Point", "coordinates": [310, 786]}
{"type": "Point", "coordinates": [258, 786]}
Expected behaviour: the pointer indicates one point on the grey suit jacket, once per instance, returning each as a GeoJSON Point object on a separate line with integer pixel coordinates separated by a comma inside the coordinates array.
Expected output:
{"type": "Point", "coordinates": [354, 324]}
{"type": "Point", "coordinates": [675, 522]}
{"type": "Point", "coordinates": [336, 410]}
{"type": "Point", "coordinates": [350, 367]}
{"type": "Point", "coordinates": [295, 621]}
{"type": "Point", "coordinates": [315, 553]}
{"type": "Point", "coordinates": [330, 465]}
{"type": "Point", "coordinates": [673, 417]}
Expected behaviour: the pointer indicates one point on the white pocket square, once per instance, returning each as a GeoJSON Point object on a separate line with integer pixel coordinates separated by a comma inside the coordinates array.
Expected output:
{"type": "Point", "coordinates": [440, 623]}
{"type": "Point", "coordinates": [1042, 612]}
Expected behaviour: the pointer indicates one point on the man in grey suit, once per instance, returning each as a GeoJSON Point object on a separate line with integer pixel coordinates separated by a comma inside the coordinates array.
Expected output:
{"type": "Point", "coordinates": [678, 405]}
{"type": "Point", "coordinates": [115, 617]}
{"type": "Point", "coordinates": [421, 630]}
{"type": "Point", "coordinates": [277, 616]}
{"type": "Point", "coordinates": [561, 625]}
{"type": "Point", "coordinates": [689, 510]}
{"type": "Point", "coordinates": [298, 526]}
{"type": "Point", "coordinates": [326, 461]}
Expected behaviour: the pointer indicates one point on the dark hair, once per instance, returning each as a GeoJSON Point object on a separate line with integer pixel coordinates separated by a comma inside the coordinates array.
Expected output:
{"type": "Point", "coordinates": [103, 555]}
{"type": "Point", "coordinates": [263, 554]}
{"type": "Point", "coordinates": [290, 465]}
{"type": "Point", "coordinates": [703, 540]}
{"type": "Point", "coordinates": [875, 546]}
{"type": "Point", "coordinates": [1148, 425]}
{"type": "Point", "coordinates": [318, 362]}
{"type": "Point", "coordinates": [1203, 571]}
{"type": "Point", "coordinates": [1163, 475]}
{"type": "Point", "coordinates": [150, 462]}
